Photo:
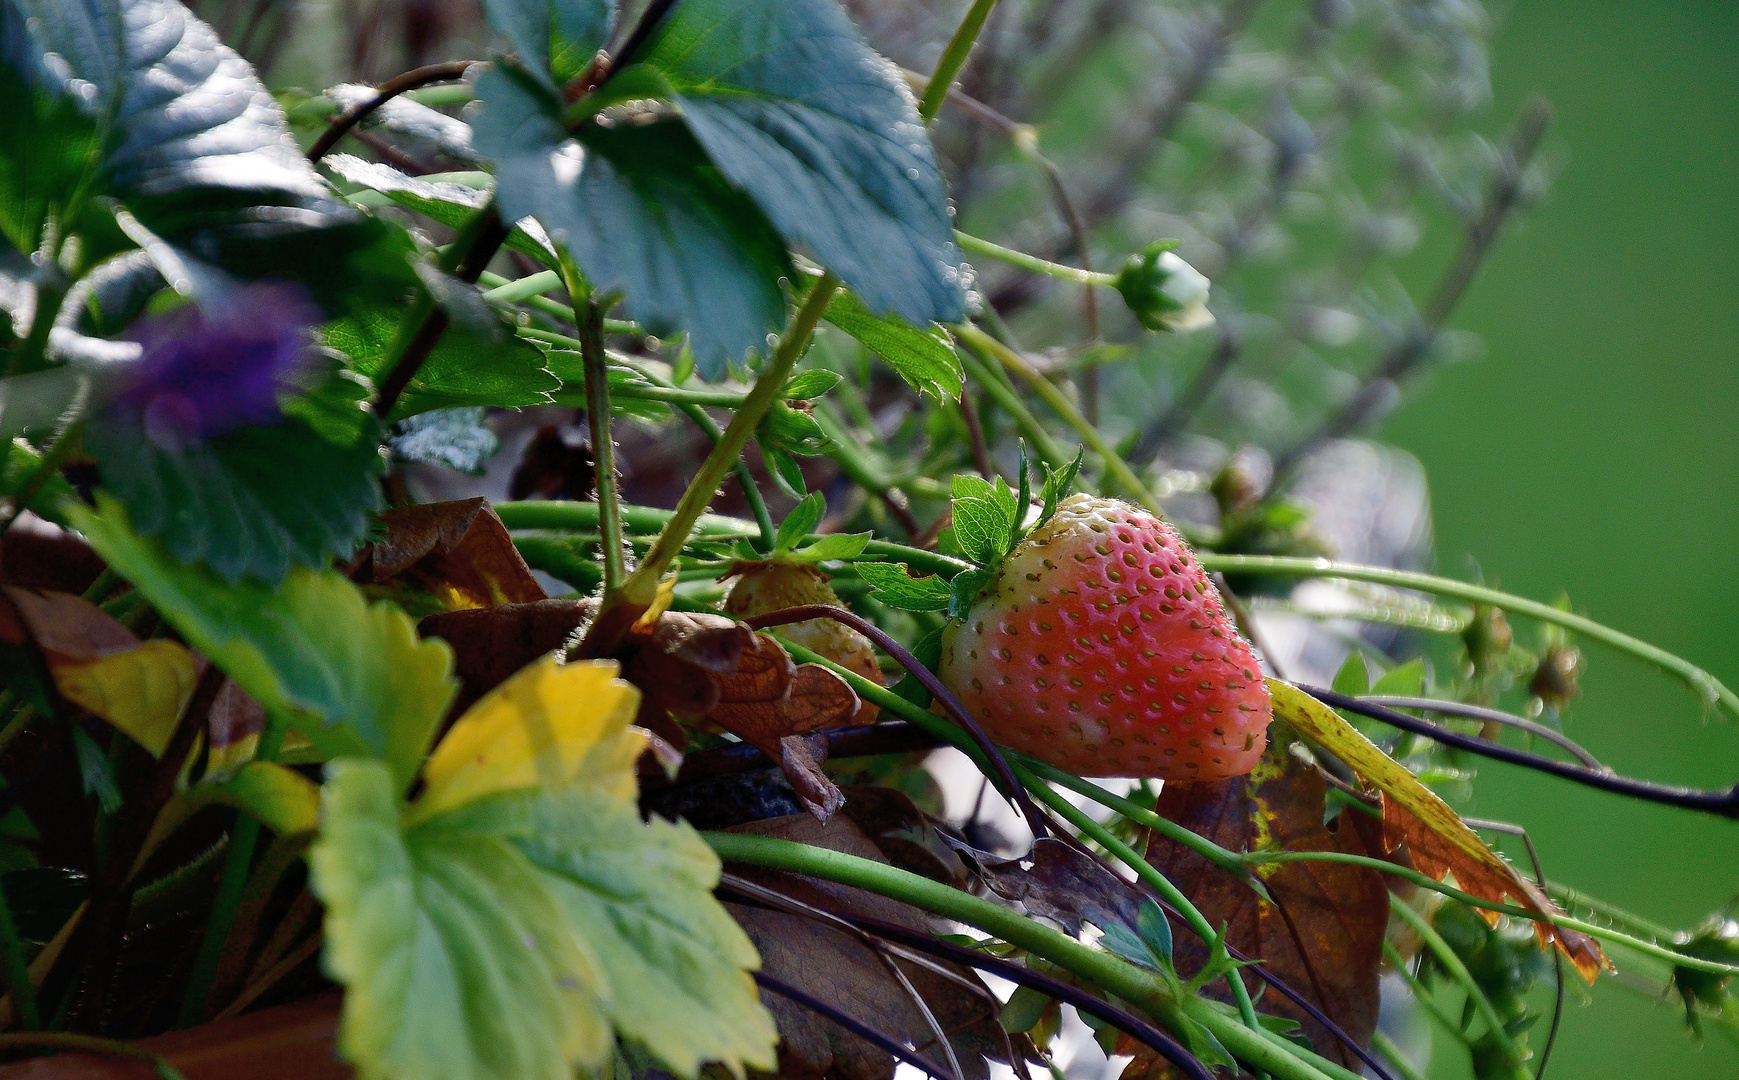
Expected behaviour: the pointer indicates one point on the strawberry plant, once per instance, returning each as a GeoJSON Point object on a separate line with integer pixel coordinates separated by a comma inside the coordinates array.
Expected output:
{"type": "Point", "coordinates": [406, 668]}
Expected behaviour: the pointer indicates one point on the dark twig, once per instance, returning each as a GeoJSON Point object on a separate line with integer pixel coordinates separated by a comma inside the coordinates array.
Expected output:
{"type": "Point", "coordinates": [852, 1024]}
{"type": "Point", "coordinates": [1381, 389]}
{"type": "Point", "coordinates": [393, 87]}
{"type": "Point", "coordinates": [1012, 787]}
{"type": "Point", "coordinates": [1291, 994]}
{"type": "Point", "coordinates": [1723, 803]}
{"type": "Point", "coordinates": [650, 20]}
{"type": "Point", "coordinates": [1492, 716]}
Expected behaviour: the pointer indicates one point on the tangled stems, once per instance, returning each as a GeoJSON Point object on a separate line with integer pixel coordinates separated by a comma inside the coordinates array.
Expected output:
{"type": "Point", "coordinates": [1259, 1049]}
{"type": "Point", "coordinates": [1458, 971]}
{"type": "Point", "coordinates": [641, 586]}
{"type": "Point", "coordinates": [1704, 684]}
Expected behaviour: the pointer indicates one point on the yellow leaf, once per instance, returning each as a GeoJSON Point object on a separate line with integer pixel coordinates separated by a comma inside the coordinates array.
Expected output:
{"type": "Point", "coordinates": [141, 691]}
{"type": "Point", "coordinates": [550, 725]}
{"type": "Point", "coordinates": [1437, 839]}
{"type": "Point", "coordinates": [661, 602]}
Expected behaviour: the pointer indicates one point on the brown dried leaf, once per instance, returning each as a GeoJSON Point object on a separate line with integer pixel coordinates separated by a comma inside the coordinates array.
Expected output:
{"type": "Point", "coordinates": [911, 839]}
{"type": "Point", "coordinates": [800, 757]}
{"type": "Point", "coordinates": [1414, 813]}
{"type": "Point", "coordinates": [491, 644]}
{"type": "Point", "coordinates": [38, 555]}
{"type": "Point", "coordinates": [837, 967]}
{"type": "Point", "coordinates": [63, 623]}
{"type": "Point", "coordinates": [1060, 883]}
{"type": "Point", "coordinates": [1339, 911]}
{"type": "Point", "coordinates": [458, 551]}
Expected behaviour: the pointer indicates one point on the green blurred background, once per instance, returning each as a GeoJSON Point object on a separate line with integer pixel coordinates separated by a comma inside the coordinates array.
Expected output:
{"type": "Point", "coordinates": [1594, 448]}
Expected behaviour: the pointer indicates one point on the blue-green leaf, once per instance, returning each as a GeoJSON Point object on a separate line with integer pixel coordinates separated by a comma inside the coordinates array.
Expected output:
{"type": "Point", "coordinates": [642, 212]}
{"type": "Point", "coordinates": [796, 110]}
{"type": "Point", "coordinates": [555, 39]}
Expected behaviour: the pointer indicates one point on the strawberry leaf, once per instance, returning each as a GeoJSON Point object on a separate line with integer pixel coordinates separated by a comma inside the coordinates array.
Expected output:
{"type": "Point", "coordinates": [842, 546]}
{"type": "Point", "coordinates": [893, 584]}
{"type": "Point", "coordinates": [801, 521]}
{"type": "Point", "coordinates": [811, 384]}
{"type": "Point", "coordinates": [984, 517]}
{"type": "Point", "coordinates": [923, 356]}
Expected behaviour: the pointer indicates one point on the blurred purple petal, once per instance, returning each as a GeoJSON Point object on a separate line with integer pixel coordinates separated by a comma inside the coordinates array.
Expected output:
{"type": "Point", "coordinates": [208, 370]}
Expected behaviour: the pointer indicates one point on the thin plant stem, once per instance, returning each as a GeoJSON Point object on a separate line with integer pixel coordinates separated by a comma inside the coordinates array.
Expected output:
{"type": "Point", "coordinates": [243, 838]}
{"type": "Point", "coordinates": [65, 1040]}
{"type": "Point", "coordinates": [846, 1020]}
{"type": "Point", "coordinates": [1059, 403]}
{"type": "Point", "coordinates": [1572, 899]}
{"type": "Point", "coordinates": [1033, 263]}
{"type": "Point", "coordinates": [1701, 682]}
{"type": "Point", "coordinates": [642, 585]}
{"type": "Point", "coordinates": [17, 971]}
{"type": "Point", "coordinates": [953, 59]}
{"type": "Point", "coordinates": [529, 291]}
{"type": "Point", "coordinates": [589, 318]}
{"type": "Point", "coordinates": [1003, 394]}
{"type": "Point", "coordinates": [1258, 1049]}
{"type": "Point", "coordinates": [1386, 1046]}
{"type": "Point", "coordinates": [1478, 712]}
{"type": "Point", "coordinates": [1156, 880]}
{"type": "Point", "coordinates": [1458, 971]}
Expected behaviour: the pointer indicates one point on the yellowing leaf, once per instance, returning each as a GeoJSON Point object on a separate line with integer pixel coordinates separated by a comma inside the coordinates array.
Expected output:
{"type": "Point", "coordinates": [550, 725]}
{"type": "Point", "coordinates": [285, 800]}
{"type": "Point", "coordinates": [352, 676]}
{"type": "Point", "coordinates": [142, 692]}
{"type": "Point", "coordinates": [1437, 839]}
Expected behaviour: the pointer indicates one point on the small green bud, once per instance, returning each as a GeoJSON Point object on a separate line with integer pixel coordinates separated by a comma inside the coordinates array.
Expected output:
{"type": "Point", "coordinates": [1163, 291]}
{"type": "Point", "coordinates": [1488, 637]}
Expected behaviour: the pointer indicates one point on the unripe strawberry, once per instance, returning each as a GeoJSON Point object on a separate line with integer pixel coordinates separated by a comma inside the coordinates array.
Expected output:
{"type": "Point", "coordinates": [762, 587]}
{"type": "Point", "coordinates": [1102, 648]}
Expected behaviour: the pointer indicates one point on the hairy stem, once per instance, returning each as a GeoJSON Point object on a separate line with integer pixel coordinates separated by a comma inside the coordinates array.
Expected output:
{"type": "Point", "coordinates": [1701, 682]}
{"type": "Point", "coordinates": [589, 318]}
{"type": "Point", "coordinates": [642, 585]}
{"type": "Point", "coordinates": [1059, 403]}
{"type": "Point", "coordinates": [1033, 263]}
{"type": "Point", "coordinates": [953, 59]}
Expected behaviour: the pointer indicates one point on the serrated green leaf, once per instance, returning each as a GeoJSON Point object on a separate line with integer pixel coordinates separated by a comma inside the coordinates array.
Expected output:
{"type": "Point", "coordinates": [47, 146]}
{"type": "Point", "coordinates": [801, 521]}
{"type": "Point", "coordinates": [928, 652]}
{"type": "Point", "coordinates": [924, 357]}
{"type": "Point", "coordinates": [836, 546]}
{"type": "Point", "coordinates": [199, 150]}
{"type": "Point", "coordinates": [894, 585]}
{"type": "Point", "coordinates": [554, 39]}
{"type": "Point", "coordinates": [811, 384]}
{"type": "Point", "coordinates": [522, 909]}
{"type": "Point", "coordinates": [985, 516]}
{"type": "Point", "coordinates": [795, 109]}
{"type": "Point", "coordinates": [462, 370]}
{"type": "Point", "coordinates": [1405, 680]}
{"type": "Point", "coordinates": [786, 473]}
{"type": "Point", "coordinates": [1056, 487]}
{"type": "Point", "coordinates": [643, 212]}
{"type": "Point", "coordinates": [250, 503]}
{"type": "Point", "coordinates": [353, 677]}
{"type": "Point", "coordinates": [791, 430]}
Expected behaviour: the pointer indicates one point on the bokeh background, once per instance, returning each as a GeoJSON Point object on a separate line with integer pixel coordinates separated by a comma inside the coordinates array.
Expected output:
{"type": "Point", "coordinates": [1593, 447]}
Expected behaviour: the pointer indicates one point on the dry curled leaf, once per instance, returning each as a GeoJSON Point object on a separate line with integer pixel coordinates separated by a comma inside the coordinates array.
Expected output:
{"type": "Point", "coordinates": [1060, 883]}
{"type": "Point", "coordinates": [837, 967]}
{"type": "Point", "coordinates": [457, 551]}
{"type": "Point", "coordinates": [1438, 841]}
{"type": "Point", "coordinates": [1339, 911]}
{"type": "Point", "coordinates": [141, 687]}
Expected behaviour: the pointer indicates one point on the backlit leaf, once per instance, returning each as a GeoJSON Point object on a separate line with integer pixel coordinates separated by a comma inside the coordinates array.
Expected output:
{"type": "Point", "coordinates": [462, 370]}
{"type": "Point", "coordinates": [143, 691]}
{"type": "Point", "coordinates": [353, 677]}
{"type": "Point", "coordinates": [895, 586]}
{"type": "Point", "coordinates": [924, 357]}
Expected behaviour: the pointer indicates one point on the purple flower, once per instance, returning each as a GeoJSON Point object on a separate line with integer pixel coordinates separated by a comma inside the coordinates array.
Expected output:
{"type": "Point", "coordinates": [208, 370]}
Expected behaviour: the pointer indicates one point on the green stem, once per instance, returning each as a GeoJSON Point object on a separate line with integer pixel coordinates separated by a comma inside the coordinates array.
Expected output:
{"type": "Point", "coordinates": [1422, 994]}
{"type": "Point", "coordinates": [1059, 403]}
{"type": "Point", "coordinates": [642, 584]}
{"type": "Point", "coordinates": [17, 970]}
{"type": "Point", "coordinates": [1385, 1046]}
{"type": "Point", "coordinates": [66, 1040]}
{"type": "Point", "coordinates": [1147, 873]}
{"type": "Point", "coordinates": [567, 516]}
{"type": "Point", "coordinates": [1229, 861]}
{"type": "Point", "coordinates": [244, 836]}
{"type": "Point", "coordinates": [65, 443]}
{"type": "Point", "coordinates": [1701, 682]}
{"type": "Point", "coordinates": [1594, 930]}
{"type": "Point", "coordinates": [953, 59]}
{"type": "Point", "coordinates": [1000, 392]}
{"type": "Point", "coordinates": [1572, 899]}
{"type": "Point", "coordinates": [529, 291]}
{"type": "Point", "coordinates": [1458, 971]}
{"type": "Point", "coordinates": [1033, 262]}
{"type": "Point", "coordinates": [50, 294]}
{"type": "Point", "coordinates": [1117, 976]}
{"type": "Point", "coordinates": [589, 318]}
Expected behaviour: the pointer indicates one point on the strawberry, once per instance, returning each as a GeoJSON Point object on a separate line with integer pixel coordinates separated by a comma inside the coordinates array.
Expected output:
{"type": "Point", "coordinates": [1100, 646]}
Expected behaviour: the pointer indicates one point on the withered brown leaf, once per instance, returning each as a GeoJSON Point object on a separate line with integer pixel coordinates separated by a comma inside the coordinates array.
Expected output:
{"type": "Point", "coordinates": [457, 551]}
{"type": "Point", "coordinates": [836, 966]}
{"type": "Point", "coordinates": [1339, 911]}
